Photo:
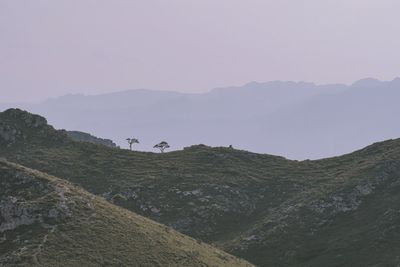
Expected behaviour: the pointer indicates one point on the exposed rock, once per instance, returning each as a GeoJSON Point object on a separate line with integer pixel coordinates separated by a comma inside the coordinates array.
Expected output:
{"type": "Point", "coordinates": [29, 120]}
{"type": "Point", "coordinates": [13, 214]}
{"type": "Point", "coordinates": [16, 211]}
{"type": "Point", "coordinates": [8, 134]}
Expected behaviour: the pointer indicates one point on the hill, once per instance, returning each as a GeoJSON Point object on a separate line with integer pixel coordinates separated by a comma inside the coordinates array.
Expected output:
{"type": "Point", "coordinates": [85, 137]}
{"type": "Point", "coordinates": [328, 120]}
{"type": "Point", "coordinates": [269, 210]}
{"type": "Point", "coordinates": [45, 221]}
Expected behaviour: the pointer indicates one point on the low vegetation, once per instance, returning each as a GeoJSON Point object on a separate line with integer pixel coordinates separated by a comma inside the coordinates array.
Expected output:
{"type": "Point", "coordinates": [340, 211]}
{"type": "Point", "coordinates": [48, 222]}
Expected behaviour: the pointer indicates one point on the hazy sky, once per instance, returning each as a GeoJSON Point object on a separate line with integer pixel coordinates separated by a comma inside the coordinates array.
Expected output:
{"type": "Point", "coordinates": [55, 47]}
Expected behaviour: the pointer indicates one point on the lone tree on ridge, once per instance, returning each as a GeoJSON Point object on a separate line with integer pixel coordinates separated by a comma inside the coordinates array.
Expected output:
{"type": "Point", "coordinates": [132, 141]}
{"type": "Point", "coordinates": [161, 146]}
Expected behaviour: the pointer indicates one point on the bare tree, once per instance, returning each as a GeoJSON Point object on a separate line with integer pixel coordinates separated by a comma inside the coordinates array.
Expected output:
{"type": "Point", "coordinates": [161, 146]}
{"type": "Point", "coordinates": [132, 141]}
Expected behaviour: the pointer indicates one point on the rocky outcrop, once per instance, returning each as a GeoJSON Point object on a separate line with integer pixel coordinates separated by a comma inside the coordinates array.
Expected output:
{"type": "Point", "coordinates": [14, 124]}
{"type": "Point", "coordinates": [18, 127]}
{"type": "Point", "coordinates": [14, 213]}
{"type": "Point", "coordinates": [27, 119]}
{"type": "Point", "coordinates": [18, 189]}
{"type": "Point", "coordinates": [8, 134]}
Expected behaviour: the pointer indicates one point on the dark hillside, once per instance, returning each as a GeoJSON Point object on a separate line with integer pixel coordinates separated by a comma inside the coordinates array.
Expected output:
{"type": "Point", "coordinates": [45, 221]}
{"type": "Point", "coordinates": [269, 210]}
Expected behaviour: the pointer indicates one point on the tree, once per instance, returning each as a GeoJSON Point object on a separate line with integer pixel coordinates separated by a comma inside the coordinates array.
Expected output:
{"type": "Point", "coordinates": [132, 141]}
{"type": "Point", "coordinates": [162, 145]}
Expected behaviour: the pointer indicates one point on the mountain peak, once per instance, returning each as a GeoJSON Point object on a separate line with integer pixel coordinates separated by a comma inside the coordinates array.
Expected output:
{"type": "Point", "coordinates": [27, 119]}
{"type": "Point", "coordinates": [18, 126]}
{"type": "Point", "coordinates": [367, 82]}
{"type": "Point", "coordinates": [278, 83]}
{"type": "Point", "coordinates": [395, 81]}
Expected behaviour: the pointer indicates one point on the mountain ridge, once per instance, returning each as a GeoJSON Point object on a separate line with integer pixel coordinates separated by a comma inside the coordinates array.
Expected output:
{"type": "Point", "coordinates": [266, 209]}
{"type": "Point", "coordinates": [294, 119]}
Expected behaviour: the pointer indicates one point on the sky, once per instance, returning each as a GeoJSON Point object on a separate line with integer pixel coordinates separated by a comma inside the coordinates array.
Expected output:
{"type": "Point", "coordinates": [51, 48]}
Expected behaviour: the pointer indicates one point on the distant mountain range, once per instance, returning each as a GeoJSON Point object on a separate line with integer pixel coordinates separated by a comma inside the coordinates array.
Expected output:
{"type": "Point", "coordinates": [297, 120]}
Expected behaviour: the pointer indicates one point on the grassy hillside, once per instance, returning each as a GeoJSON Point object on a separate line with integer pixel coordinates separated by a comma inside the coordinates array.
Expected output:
{"type": "Point", "coordinates": [46, 221]}
{"type": "Point", "coordinates": [271, 211]}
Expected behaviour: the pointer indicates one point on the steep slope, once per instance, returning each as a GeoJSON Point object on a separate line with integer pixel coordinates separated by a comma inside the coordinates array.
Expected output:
{"type": "Point", "coordinates": [348, 217]}
{"type": "Point", "coordinates": [272, 211]}
{"type": "Point", "coordinates": [45, 221]}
